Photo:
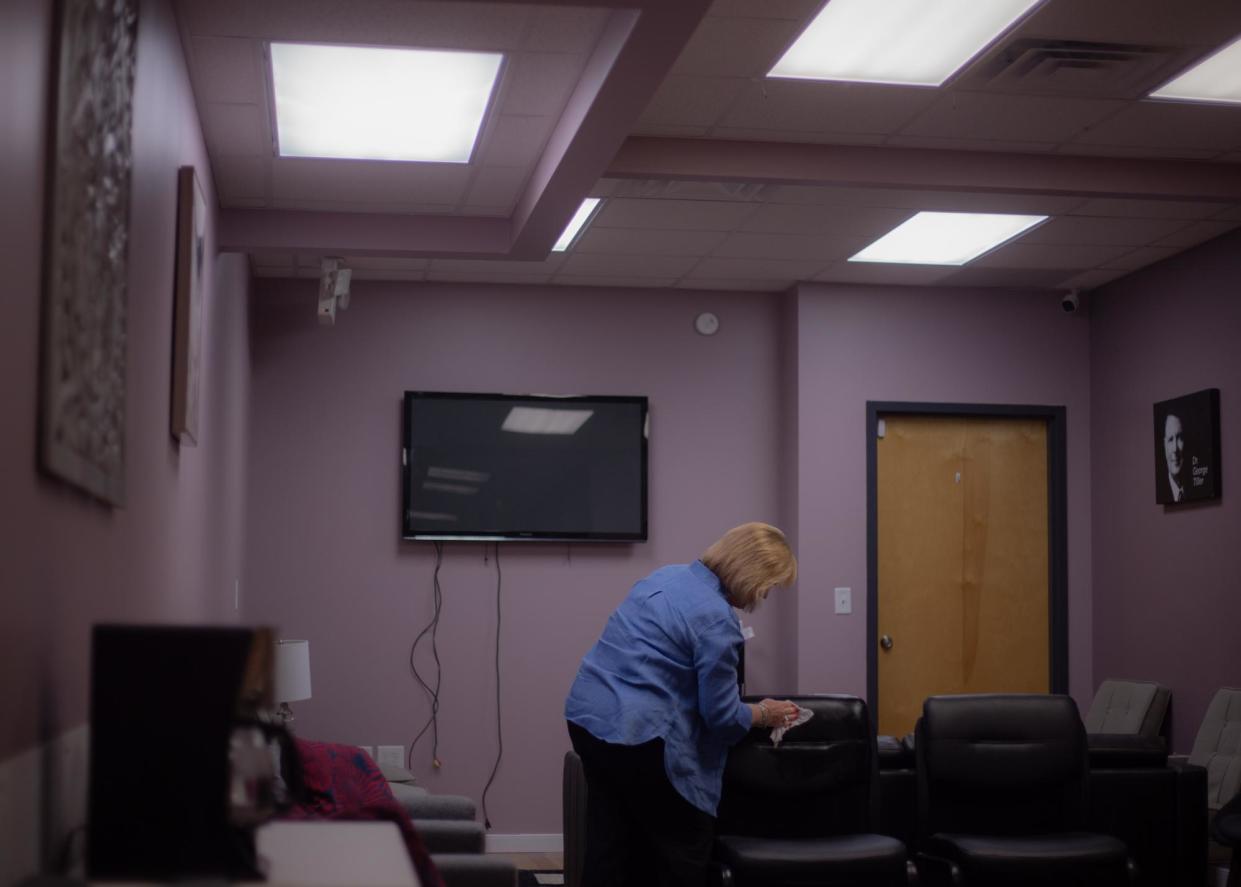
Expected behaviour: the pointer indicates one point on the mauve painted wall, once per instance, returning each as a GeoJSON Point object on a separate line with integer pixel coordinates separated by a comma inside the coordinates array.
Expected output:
{"type": "Point", "coordinates": [325, 561]}
{"type": "Point", "coordinates": [1167, 581]}
{"type": "Point", "coordinates": [920, 344]}
{"type": "Point", "coordinates": [173, 552]}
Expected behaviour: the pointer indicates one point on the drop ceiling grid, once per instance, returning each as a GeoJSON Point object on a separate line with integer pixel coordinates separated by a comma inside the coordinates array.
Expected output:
{"type": "Point", "coordinates": [547, 49]}
{"type": "Point", "coordinates": [718, 90]}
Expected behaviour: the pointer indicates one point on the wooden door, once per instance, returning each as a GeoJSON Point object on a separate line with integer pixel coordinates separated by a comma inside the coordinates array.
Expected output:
{"type": "Point", "coordinates": [962, 560]}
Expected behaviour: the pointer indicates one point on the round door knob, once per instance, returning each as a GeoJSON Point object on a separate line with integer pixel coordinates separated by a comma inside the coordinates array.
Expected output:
{"type": "Point", "coordinates": [886, 642]}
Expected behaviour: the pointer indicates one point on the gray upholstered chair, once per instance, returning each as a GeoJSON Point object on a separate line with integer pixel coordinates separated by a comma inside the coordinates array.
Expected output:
{"type": "Point", "coordinates": [1217, 747]}
{"type": "Point", "coordinates": [1128, 707]}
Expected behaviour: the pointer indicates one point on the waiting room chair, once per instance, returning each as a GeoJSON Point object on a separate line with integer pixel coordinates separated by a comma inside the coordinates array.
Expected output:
{"type": "Point", "coordinates": [1217, 747]}
{"type": "Point", "coordinates": [1128, 707]}
{"type": "Point", "coordinates": [1226, 829]}
{"type": "Point", "coordinates": [1002, 783]}
{"type": "Point", "coordinates": [801, 813]}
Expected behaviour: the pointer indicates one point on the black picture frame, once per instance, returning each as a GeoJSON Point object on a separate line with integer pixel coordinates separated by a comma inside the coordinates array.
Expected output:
{"type": "Point", "coordinates": [1187, 448]}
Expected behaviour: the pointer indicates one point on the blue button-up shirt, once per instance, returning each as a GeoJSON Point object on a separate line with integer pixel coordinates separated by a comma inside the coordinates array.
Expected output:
{"type": "Point", "coordinates": [666, 668]}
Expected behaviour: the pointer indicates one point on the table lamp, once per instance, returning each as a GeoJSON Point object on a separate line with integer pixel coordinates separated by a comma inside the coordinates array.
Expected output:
{"type": "Point", "coordinates": [292, 678]}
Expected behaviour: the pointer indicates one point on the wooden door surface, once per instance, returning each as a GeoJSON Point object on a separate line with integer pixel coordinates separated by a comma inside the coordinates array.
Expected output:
{"type": "Point", "coordinates": [962, 561]}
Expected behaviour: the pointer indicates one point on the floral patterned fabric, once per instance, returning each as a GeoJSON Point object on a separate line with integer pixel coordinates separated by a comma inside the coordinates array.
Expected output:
{"type": "Point", "coordinates": [342, 782]}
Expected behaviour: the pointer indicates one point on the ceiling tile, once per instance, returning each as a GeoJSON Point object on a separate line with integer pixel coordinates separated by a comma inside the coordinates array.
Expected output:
{"type": "Point", "coordinates": [735, 284]}
{"type": "Point", "coordinates": [1017, 118]}
{"type": "Point", "coordinates": [389, 274]}
{"type": "Point", "coordinates": [642, 241]}
{"type": "Point", "coordinates": [1095, 277]}
{"type": "Point", "coordinates": [514, 141]}
{"type": "Point", "coordinates": [236, 129]}
{"type": "Point", "coordinates": [807, 106]}
{"type": "Point", "coordinates": [227, 69]}
{"type": "Point", "coordinates": [564, 29]}
{"type": "Point", "coordinates": [1151, 209]}
{"type": "Point", "coordinates": [1039, 256]}
{"type": "Point", "coordinates": [755, 269]}
{"type": "Point", "coordinates": [1102, 231]}
{"type": "Point", "coordinates": [1140, 257]}
{"type": "Point", "coordinates": [1020, 278]}
{"type": "Point", "coordinates": [603, 265]}
{"type": "Point", "coordinates": [496, 186]}
{"type": "Point", "coordinates": [692, 101]}
{"type": "Point", "coordinates": [240, 178]}
{"type": "Point", "coordinates": [474, 26]}
{"type": "Point", "coordinates": [822, 248]}
{"type": "Point", "coordinates": [361, 181]}
{"type": "Point", "coordinates": [1169, 125]}
{"type": "Point", "coordinates": [938, 144]}
{"type": "Point", "coordinates": [732, 47]}
{"type": "Point", "coordinates": [873, 272]}
{"type": "Point", "coordinates": [670, 132]}
{"type": "Point", "coordinates": [697, 215]}
{"type": "Point", "coordinates": [386, 263]}
{"type": "Point", "coordinates": [809, 219]}
{"type": "Point", "coordinates": [502, 266]}
{"type": "Point", "coordinates": [614, 281]}
{"type": "Point", "coordinates": [539, 83]}
{"type": "Point", "coordinates": [798, 10]}
{"type": "Point", "coordinates": [486, 277]}
{"type": "Point", "coordinates": [1198, 232]}
{"type": "Point", "coordinates": [1154, 22]}
{"type": "Point", "coordinates": [743, 134]}
{"type": "Point", "coordinates": [941, 201]}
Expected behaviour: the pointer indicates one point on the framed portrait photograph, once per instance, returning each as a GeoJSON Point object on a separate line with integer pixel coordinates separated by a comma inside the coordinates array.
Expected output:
{"type": "Point", "coordinates": [188, 311]}
{"type": "Point", "coordinates": [1187, 465]}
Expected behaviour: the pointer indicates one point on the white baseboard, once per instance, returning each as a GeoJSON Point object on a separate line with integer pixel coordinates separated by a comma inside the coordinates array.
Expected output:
{"type": "Point", "coordinates": [525, 843]}
{"type": "Point", "coordinates": [42, 800]}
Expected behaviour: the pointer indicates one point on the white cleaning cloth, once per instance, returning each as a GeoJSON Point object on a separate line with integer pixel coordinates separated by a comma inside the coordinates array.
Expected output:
{"type": "Point", "coordinates": [803, 715]}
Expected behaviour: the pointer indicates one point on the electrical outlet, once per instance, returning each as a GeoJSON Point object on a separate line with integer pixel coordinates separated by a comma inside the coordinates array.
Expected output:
{"type": "Point", "coordinates": [844, 601]}
{"type": "Point", "coordinates": [391, 755]}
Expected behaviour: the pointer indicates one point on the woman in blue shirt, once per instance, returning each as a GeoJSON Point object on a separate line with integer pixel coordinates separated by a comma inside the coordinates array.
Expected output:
{"type": "Point", "coordinates": [655, 708]}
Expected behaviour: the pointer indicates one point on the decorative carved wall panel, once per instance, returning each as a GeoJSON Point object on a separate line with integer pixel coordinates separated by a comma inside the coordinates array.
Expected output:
{"type": "Point", "coordinates": [82, 416]}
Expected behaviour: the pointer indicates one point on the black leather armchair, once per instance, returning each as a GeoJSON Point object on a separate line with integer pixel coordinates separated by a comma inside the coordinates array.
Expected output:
{"type": "Point", "coordinates": [1002, 796]}
{"type": "Point", "coordinates": [801, 813]}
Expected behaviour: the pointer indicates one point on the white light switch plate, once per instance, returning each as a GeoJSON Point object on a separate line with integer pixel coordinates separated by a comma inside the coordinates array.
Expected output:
{"type": "Point", "coordinates": [391, 755]}
{"type": "Point", "coordinates": [844, 601]}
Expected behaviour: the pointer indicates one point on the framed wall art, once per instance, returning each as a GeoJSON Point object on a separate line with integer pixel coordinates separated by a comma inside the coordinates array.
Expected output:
{"type": "Point", "coordinates": [188, 311]}
{"type": "Point", "coordinates": [83, 336]}
{"type": "Point", "coordinates": [1187, 448]}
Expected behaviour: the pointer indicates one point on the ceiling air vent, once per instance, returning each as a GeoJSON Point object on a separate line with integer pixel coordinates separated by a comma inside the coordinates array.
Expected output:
{"type": "Point", "coordinates": [1076, 67]}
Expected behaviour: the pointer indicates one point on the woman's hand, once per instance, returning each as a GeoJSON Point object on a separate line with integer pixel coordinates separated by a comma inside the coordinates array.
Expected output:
{"type": "Point", "coordinates": [774, 713]}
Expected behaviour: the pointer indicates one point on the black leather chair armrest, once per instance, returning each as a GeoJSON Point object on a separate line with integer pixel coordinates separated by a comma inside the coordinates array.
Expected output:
{"type": "Point", "coordinates": [1115, 750]}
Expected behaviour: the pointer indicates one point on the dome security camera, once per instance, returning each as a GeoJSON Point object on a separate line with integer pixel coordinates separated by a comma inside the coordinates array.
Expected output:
{"type": "Point", "coordinates": [1070, 301]}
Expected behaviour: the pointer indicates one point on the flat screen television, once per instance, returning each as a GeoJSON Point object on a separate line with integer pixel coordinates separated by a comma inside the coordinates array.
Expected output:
{"type": "Point", "coordinates": [514, 467]}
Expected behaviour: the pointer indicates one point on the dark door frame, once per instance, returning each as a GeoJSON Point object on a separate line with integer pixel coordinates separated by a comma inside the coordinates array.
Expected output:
{"type": "Point", "coordinates": [1057, 527]}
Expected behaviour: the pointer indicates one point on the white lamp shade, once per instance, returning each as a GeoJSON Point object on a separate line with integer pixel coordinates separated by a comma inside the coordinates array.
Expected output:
{"type": "Point", "coordinates": [292, 671]}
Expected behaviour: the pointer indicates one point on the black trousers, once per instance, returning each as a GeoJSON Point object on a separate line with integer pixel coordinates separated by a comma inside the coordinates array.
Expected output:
{"type": "Point", "coordinates": [639, 830]}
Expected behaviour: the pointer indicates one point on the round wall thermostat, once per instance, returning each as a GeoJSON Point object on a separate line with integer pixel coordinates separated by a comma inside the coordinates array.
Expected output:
{"type": "Point", "coordinates": [707, 323]}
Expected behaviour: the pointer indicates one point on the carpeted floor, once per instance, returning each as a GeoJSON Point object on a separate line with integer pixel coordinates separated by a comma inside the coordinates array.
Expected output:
{"type": "Point", "coordinates": [527, 878]}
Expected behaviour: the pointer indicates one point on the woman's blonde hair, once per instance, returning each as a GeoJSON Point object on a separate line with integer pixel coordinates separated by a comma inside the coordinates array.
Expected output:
{"type": "Point", "coordinates": [750, 559]}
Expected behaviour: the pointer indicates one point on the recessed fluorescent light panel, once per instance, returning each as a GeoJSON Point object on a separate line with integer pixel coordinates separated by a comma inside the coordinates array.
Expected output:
{"type": "Point", "coordinates": [945, 238]}
{"type": "Point", "coordinates": [910, 42]}
{"type": "Point", "coordinates": [576, 224]}
{"type": "Point", "coordinates": [369, 103]}
{"type": "Point", "coordinates": [1216, 80]}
